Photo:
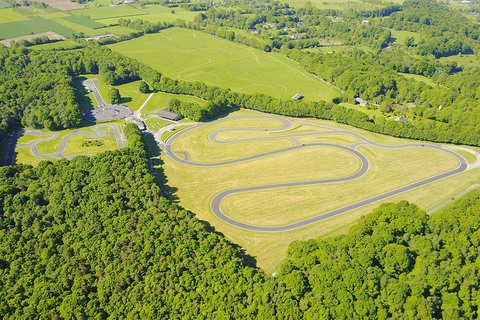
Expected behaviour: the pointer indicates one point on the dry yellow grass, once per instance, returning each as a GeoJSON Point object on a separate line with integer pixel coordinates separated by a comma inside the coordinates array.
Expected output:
{"type": "Point", "coordinates": [390, 169]}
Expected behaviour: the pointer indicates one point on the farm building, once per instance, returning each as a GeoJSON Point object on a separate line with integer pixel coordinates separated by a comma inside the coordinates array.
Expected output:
{"type": "Point", "coordinates": [362, 102]}
{"type": "Point", "coordinates": [298, 96]}
{"type": "Point", "coordinates": [402, 119]}
{"type": "Point", "coordinates": [169, 115]}
{"type": "Point", "coordinates": [100, 37]}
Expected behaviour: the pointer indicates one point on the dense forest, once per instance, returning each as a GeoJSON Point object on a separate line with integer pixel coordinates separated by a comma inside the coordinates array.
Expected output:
{"type": "Point", "coordinates": [92, 238]}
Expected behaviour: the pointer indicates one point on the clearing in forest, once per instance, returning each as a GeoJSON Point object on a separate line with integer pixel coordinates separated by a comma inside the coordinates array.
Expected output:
{"type": "Point", "coordinates": [196, 56]}
{"type": "Point", "coordinates": [262, 200]}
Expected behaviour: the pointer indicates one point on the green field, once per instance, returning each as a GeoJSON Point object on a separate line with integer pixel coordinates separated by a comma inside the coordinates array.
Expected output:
{"type": "Point", "coordinates": [195, 56]}
{"type": "Point", "coordinates": [389, 169]}
{"type": "Point", "coordinates": [338, 4]}
{"type": "Point", "coordinates": [156, 13]}
{"type": "Point", "coordinates": [155, 123]}
{"type": "Point", "coordinates": [463, 60]}
{"type": "Point", "coordinates": [420, 78]}
{"type": "Point", "coordinates": [9, 15]}
{"type": "Point", "coordinates": [34, 24]}
{"type": "Point", "coordinates": [400, 36]}
{"type": "Point", "coordinates": [109, 12]}
{"type": "Point", "coordinates": [160, 100]}
{"type": "Point", "coordinates": [84, 22]}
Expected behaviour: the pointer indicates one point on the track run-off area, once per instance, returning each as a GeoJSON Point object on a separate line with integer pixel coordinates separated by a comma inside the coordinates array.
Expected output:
{"type": "Point", "coordinates": [287, 124]}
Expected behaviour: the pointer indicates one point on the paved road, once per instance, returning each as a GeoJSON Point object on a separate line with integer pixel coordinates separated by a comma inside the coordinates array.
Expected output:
{"type": "Point", "coordinates": [92, 85]}
{"type": "Point", "coordinates": [63, 143]}
{"type": "Point", "coordinates": [286, 124]}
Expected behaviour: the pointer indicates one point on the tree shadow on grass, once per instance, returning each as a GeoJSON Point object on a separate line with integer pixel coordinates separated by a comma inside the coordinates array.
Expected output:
{"type": "Point", "coordinates": [125, 100]}
{"type": "Point", "coordinates": [81, 93]}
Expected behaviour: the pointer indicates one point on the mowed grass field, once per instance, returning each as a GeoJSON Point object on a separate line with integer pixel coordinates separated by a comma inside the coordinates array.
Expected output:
{"type": "Point", "coordinates": [390, 169]}
{"type": "Point", "coordinates": [195, 56]}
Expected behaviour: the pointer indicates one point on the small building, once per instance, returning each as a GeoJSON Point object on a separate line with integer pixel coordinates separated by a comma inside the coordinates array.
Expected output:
{"type": "Point", "coordinates": [140, 124]}
{"type": "Point", "coordinates": [362, 102]}
{"type": "Point", "coordinates": [366, 22]}
{"type": "Point", "coordinates": [402, 119]}
{"type": "Point", "coordinates": [169, 115]}
{"type": "Point", "coordinates": [298, 96]}
{"type": "Point", "coordinates": [296, 36]}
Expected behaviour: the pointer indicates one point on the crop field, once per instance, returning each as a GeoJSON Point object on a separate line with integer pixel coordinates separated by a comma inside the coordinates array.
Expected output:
{"type": "Point", "coordinates": [84, 22]}
{"type": "Point", "coordinates": [389, 169]}
{"type": "Point", "coordinates": [9, 15]}
{"type": "Point", "coordinates": [109, 12]}
{"type": "Point", "coordinates": [195, 56]}
{"type": "Point", "coordinates": [34, 24]}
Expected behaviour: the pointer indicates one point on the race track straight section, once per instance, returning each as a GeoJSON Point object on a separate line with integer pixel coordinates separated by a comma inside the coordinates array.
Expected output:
{"type": "Point", "coordinates": [287, 124]}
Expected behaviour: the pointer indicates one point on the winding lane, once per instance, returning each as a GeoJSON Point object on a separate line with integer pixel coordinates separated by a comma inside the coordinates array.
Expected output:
{"type": "Point", "coordinates": [287, 124]}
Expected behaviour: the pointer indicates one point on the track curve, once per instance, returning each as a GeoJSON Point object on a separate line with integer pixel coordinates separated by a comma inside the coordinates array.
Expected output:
{"type": "Point", "coordinates": [63, 144]}
{"type": "Point", "coordinates": [287, 124]}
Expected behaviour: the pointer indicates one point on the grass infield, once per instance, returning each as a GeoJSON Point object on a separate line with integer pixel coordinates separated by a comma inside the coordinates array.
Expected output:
{"type": "Point", "coordinates": [390, 168]}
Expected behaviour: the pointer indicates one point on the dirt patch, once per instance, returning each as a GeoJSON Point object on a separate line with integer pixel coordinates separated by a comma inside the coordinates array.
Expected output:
{"type": "Point", "coordinates": [51, 35]}
{"type": "Point", "coordinates": [63, 5]}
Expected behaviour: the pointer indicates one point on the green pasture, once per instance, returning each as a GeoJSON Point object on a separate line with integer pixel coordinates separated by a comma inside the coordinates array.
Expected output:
{"type": "Point", "coordinates": [157, 13]}
{"type": "Point", "coordinates": [109, 12]}
{"type": "Point", "coordinates": [333, 49]}
{"type": "Point", "coordinates": [463, 60]}
{"type": "Point", "coordinates": [9, 15]}
{"type": "Point", "coordinates": [420, 78]}
{"type": "Point", "coordinates": [159, 101]}
{"type": "Point", "coordinates": [195, 56]}
{"type": "Point", "coordinates": [34, 24]}
{"type": "Point", "coordinates": [390, 168]}
{"type": "Point", "coordinates": [84, 22]}
{"type": "Point", "coordinates": [400, 36]}
{"type": "Point", "coordinates": [91, 31]}
{"type": "Point", "coordinates": [337, 4]}
{"type": "Point", "coordinates": [372, 112]}
{"type": "Point", "coordinates": [156, 124]}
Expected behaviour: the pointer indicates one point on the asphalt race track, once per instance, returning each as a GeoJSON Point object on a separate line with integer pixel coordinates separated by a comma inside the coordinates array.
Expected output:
{"type": "Point", "coordinates": [103, 112]}
{"type": "Point", "coordinates": [63, 144]}
{"type": "Point", "coordinates": [286, 124]}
